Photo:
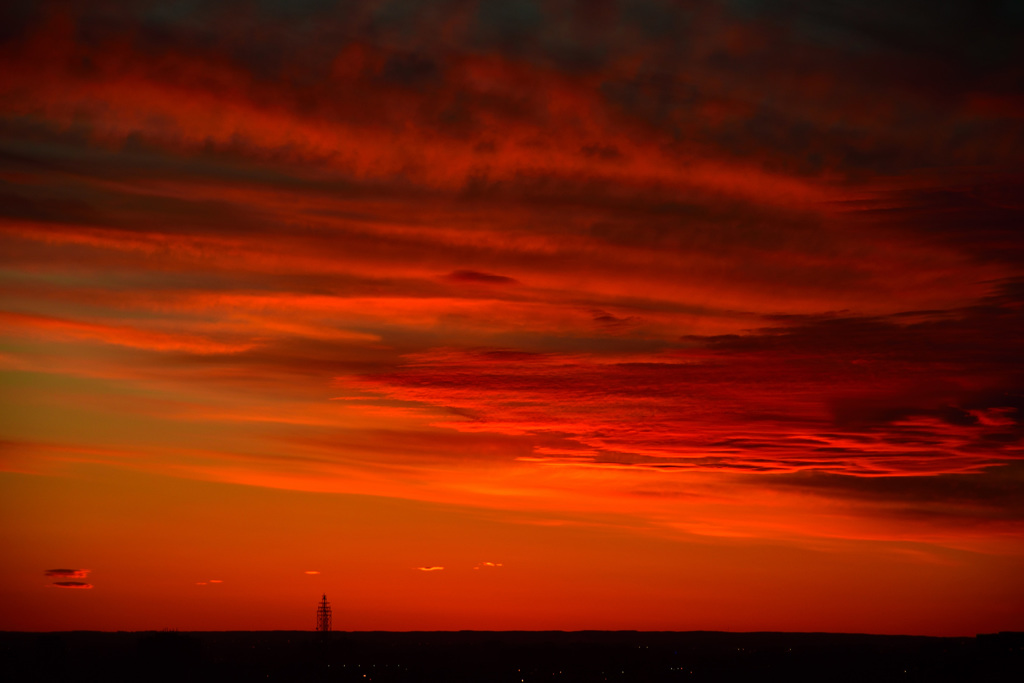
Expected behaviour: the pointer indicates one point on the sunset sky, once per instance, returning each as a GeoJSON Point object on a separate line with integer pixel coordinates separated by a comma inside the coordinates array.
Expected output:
{"type": "Point", "coordinates": [512, 314]}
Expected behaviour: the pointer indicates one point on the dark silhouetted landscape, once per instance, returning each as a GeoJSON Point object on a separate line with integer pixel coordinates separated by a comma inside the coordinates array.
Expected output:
{"type": "Point", "coordinates": [510, 656]}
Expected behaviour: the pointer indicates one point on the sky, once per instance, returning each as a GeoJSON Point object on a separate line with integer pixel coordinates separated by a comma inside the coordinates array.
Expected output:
{"type": "Point", "coordinates": [564, 314]}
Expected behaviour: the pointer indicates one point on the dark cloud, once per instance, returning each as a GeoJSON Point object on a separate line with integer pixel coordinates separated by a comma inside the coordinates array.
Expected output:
{"type": "Point", "coordinates": [72, 584]}
{"type": "Point", "coordinates": [480, 278]}
{"type": "Point", "coordinates": [991, 497]}
{"type": "Point", "coordinates": [609, 321]}
{"type": "Point", "coordinates": [982, 337]}
{"type": "Point", "coordinates": [980, 214]}
{"type": "Point", "coordinates": [765, 79]}
{"type": "Point", "coordinates": [69, 573]}
{"type": "Point", "coordinates": [512, 26]}
{"type": "Point", "coordinates": [914, 394]}
{"type": "Point", "coordinates": [605, 152]}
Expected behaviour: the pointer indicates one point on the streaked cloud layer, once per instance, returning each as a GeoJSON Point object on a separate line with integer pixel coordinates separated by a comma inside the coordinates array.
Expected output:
{"type": "Point", "coordinates": [72, 584]}
{"type": "Point", "coordinates": [729, 272]}
{"type": "Point", "coordinates": [68, 573]}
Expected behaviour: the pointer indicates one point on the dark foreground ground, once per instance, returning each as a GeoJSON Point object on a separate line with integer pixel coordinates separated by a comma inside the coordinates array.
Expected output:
{"type": "Point", "coordinates": [515, 657]}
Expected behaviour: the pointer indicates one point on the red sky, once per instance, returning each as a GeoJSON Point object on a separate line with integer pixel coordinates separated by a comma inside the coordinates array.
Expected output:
{"type": "Point", "coordinates": [628, 315]}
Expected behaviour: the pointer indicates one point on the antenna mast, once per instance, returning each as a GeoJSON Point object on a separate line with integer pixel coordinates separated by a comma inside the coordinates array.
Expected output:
{"type": "Point", "coordinates": [323, 615]}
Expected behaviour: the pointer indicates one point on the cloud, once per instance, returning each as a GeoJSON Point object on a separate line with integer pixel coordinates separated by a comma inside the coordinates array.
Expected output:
{"type": "Point", "coordinates": [72, 584]}
{"type": "Point", "coordinates": [473, 276]}
{"type": "Point", "coordinates": [842, 394]}
{"type": "Point", "coordinates": [68, 573]}
{"type": "Point", "coordinates": [118, 335]}
{"type": "Point", "coordinates": [488, 565]}
{"type": "Point", "coordinates": [550, 252]}
{"type": "Point", "coordinates": [430, 569]}
{"type": "Point", "coordinates": [991, 498]}
{"type": "Point", "coordinates": [311, 572]}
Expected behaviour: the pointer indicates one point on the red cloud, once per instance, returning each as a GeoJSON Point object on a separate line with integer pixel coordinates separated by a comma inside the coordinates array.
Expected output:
{"type": "Point", "coordinates": [114, 334]}
{"type": "Point", "coordinates": [652, 252]}
{"type": "Point", "coordinates": [551, 123]}
{"type": "Point", "coordinates": [72, 584]}
{"type": "Point", "coordinates": [843, 396]}
{"type": "Point", "coordinates": [68, 573]}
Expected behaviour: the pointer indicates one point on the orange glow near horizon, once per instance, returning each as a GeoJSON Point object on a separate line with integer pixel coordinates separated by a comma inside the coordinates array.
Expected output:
{"type": "Point", "coordinates": [476, 323]}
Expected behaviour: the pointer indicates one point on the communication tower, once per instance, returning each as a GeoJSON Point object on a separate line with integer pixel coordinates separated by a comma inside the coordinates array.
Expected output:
{"type": "Point", "coordinates": [323, 615]}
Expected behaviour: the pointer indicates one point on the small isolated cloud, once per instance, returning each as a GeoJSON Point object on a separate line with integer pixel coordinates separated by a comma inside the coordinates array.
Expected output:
{"type": "Point", "coordinates": [477, 277]}
{"type": "Point", "coordinates": [430, 569]}
{"type": "Point", "coordinates": [312, 572]}
{"type": "Point", "coordinates": [488, 565]}
{"type": "Point", "coordinates": [68, 573]}
{"type": "Point", "coordinates": [610, 321]}
{"type": "Point", "coordinates": [200, 583]}
{"type": "Point", "coordinates": [216, 581]}
{"type": "Point", "coordinates": [71, 584]}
